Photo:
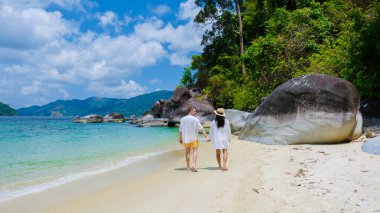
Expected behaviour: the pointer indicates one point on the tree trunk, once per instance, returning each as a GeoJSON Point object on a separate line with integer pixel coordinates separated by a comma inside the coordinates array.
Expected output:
{"type": "Point", "coordinates": [241, 37]}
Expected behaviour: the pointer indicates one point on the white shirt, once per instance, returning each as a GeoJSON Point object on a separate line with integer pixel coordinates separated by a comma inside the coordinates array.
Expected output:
{"type": "Point", "coordinates": [220, 136]}
{"type": "Point", "coordinates": [189, 127]}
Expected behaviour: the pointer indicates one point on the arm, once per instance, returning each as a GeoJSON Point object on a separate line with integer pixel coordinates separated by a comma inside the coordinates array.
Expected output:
{"type": "Point", "coordinates": [204, 133]}
{"type": "Point", "coordinates": [200, 127]}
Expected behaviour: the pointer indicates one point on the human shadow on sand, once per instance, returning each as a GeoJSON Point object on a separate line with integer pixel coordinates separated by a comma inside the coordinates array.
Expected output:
{"type": "Point", "coordinates": [205, 168]}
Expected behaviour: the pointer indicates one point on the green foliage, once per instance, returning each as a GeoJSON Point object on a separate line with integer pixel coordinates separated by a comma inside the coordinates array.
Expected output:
{"type": "Point", "coordinates": [6, 110]}
{"type": "Point", "coordinates": [188, 79]}
{"type": "Point", "coordinates": [364, 65]}
{"type": "Point", "coordinates": [286, 39]}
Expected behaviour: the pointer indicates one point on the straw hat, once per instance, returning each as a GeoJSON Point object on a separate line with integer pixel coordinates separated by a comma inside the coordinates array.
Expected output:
{"type": "Point", "coordinates": [220, 112]}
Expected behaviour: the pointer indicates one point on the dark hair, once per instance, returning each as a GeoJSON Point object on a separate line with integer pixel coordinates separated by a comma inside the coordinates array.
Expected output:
{"type": "Point", "coordinates": [190, 108]}
{"type": "Point", "coordinates": [219, 121]}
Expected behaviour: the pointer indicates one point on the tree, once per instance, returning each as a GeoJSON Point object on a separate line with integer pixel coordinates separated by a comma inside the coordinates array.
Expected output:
{"type": "Point", "coordinates": [212, 12]}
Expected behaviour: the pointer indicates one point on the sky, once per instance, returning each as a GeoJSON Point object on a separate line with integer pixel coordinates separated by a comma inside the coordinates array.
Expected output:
{"type": "Point", "coordinates": [74, 49]}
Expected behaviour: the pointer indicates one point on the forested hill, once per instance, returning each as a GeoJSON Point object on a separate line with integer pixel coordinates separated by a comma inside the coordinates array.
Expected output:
{"type": "Point", "coordinates": [102, 106]}
{"type": "Point", "coordinates": [276, 40]}
{"type": "Point", "coordinates": [6, 110]}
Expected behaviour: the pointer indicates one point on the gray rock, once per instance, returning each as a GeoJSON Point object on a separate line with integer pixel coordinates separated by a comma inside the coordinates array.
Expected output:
{"type": "Point", "coordinates": [114, 117]}
{"type": "Point", "coordinates": [309, 109]}
{"type": "Point", "coordinates": [372, 146]}
{"type": "Point", "coordinates": [153, 123]}
{"type": "Point", "coordinates": [204, 108]}
{"type": "Point", "coordinates": [176, 108]}
{"type": "Point", "coordinates": [237, 119]}
{"type": "Point", "coordinates": [88, 119]}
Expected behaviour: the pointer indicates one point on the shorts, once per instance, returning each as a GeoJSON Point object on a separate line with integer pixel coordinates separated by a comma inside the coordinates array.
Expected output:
{"type": "Point", "coordinates": [193, 144]}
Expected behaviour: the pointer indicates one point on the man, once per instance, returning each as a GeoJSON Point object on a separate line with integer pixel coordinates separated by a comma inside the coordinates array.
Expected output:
{"type": "Point", "coordinates": [188, 136]}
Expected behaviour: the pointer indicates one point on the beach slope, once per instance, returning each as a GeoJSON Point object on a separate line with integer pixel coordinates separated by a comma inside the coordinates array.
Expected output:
{"type": "Point", "coordinates": [261, 178]}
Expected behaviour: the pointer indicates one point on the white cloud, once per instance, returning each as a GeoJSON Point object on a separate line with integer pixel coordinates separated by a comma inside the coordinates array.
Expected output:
{"type": "Point", "coordinates": [43, 56]}
{"type": "Point", "coordinates": [122, 90]}
{"type": "Point", "coordinates": [188, 10]}
{"type": "Point", "coordinates": [110, 19]}
{"type": "Point", "coordinates": [3, 84]}
{"type": "Point", "coordinates": [182, 40]}
{"type": "Point", "coordinates": [35, 88]}
{"type": "Point", "coordinates": [159, 9]}
{"type": "Point", "coordinates": [79, 5]}
{"type": "Point", "coordinates": [31, 28]}
{"type": "Point", "coordinates": [127, 19]}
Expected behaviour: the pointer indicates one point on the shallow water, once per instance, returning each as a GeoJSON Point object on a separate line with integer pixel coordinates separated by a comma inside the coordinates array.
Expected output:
{"type": "Point", "coordinates": [37, 153]}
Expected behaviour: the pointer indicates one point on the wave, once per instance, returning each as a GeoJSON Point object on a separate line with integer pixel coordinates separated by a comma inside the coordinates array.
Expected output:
{"type": "Point", "coordinates": [7, 194]}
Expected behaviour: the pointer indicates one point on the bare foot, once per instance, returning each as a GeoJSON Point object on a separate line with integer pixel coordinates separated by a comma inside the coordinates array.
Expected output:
{"type": "Point", "coordinates": [224, 169]}
{"type": "Point", "coordinates": [194, 169]}
{"type": "Point", "coordinates": [188, 169]}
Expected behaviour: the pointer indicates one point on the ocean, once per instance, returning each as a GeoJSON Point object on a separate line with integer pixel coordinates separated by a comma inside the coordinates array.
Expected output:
{"type": "Point", "coordinates": [38, 153]}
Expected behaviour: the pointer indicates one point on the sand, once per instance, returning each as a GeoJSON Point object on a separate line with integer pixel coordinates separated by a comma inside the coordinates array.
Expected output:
{"type": "Point", "coordinates": [261, 178]}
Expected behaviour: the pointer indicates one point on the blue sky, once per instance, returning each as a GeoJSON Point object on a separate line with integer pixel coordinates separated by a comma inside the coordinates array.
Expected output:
{"type": "Point", "coordinates": [75, 49]}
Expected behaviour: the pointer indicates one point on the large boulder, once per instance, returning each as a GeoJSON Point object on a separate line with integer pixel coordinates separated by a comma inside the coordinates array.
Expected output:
{"type": "Point", "coordinates": [176, 108]}
{"type": "Point", "coordinates": [310, 109]}
{"type": "Point", "coordinates": [181, 95]}
{"type": "Point", "coordinates": [237, 119]}
{"type": "Point", "coordinates": [204, 108]}
{"type": "Point", "coordinates": [114, 117]}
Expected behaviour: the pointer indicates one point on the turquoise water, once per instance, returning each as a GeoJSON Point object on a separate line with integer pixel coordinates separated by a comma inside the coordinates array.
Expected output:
{"type": "Point", "coordinates": [37, 153]}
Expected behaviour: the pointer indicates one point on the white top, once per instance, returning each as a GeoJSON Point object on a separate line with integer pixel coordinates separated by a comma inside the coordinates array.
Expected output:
{"type": "Point", "coordinates": [189, 127]}
{"type": "Point", "coordinates": [220, 136]}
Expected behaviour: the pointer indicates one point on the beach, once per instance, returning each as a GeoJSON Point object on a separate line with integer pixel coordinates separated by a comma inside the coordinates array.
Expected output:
{"type": "Point", "coordinates": [261, 178]}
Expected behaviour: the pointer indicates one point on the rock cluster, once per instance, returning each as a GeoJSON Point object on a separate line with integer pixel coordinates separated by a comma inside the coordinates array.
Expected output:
{"type": "Point", "coordinates": [112, 117]}
{"type": "Point", "coordinates": [175, 108]}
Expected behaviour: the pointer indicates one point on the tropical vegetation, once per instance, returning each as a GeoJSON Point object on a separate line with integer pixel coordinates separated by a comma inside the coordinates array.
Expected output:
{"type": "Point", "coordinates": [253, 46]}
{"type": "Point", "coordinates": [6, 110]}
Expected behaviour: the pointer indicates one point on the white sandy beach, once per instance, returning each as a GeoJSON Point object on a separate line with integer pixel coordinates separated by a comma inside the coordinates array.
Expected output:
{"type": "Point", "coordinates": [261, 178]}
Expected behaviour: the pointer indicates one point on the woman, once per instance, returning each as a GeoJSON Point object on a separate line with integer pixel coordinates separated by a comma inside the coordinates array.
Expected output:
{"type": "Point", "coordinates": [220, 134]}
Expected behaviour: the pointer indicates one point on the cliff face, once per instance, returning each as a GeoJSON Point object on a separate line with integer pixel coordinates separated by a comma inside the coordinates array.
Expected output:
{"type": "Point", "coordinates": [6, 110]}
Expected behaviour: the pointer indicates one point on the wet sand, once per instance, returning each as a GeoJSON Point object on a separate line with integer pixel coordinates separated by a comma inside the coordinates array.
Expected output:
{"type": "Point", "coordinates": [261, 178]}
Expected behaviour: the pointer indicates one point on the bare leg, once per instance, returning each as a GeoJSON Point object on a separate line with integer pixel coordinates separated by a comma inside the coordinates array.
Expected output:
{"type": "Point", "coordinates": [195, 157]}
{"type": "Point", "coordinates": [218, 158]}
{"type": "Point", "coordinates": [188, 158]}
{"type": "Point", "coordinates": [225, 155]}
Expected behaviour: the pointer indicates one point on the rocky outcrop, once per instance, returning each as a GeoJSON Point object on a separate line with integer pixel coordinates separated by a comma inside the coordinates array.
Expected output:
{"type": "Point", "coordinates": [175, 108]}
{"type": "Point", "coordinates": [237, 119]}
{"type": "Point", "coordinates": [309, 109]}
{"type": "Point", "coordinates": [88, 119]}
{"type": "Point", "coordinates": [114, 117]}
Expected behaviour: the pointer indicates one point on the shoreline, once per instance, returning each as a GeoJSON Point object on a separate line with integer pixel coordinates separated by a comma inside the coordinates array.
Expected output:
{"type": "Point", "coordinates": [261, 178]}
{"type": "Point", "coordinates": [59, 182]}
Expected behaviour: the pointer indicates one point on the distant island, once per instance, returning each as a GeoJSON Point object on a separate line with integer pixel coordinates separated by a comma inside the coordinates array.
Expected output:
{"type": "Point", "coordinates": [94, 105]}
{"type": "Point", "coordinates": [6, 110]}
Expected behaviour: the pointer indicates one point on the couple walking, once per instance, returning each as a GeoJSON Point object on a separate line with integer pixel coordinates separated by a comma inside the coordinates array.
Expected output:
{"type": "Point", "coordinates": [220, 135]}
